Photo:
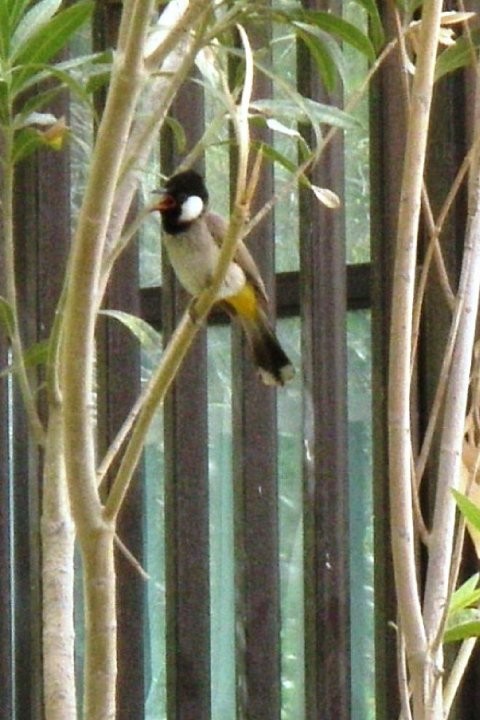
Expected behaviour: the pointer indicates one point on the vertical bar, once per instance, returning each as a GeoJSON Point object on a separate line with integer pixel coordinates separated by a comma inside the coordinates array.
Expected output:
{"type": "Point", "coordinates": [186, 488]}
{"type": "Point", "coordinates": [25, 462]}
{"type": "Point", "coordinates": [256, 497]}
{"type": "Point", "coordinates": [122, 385]}
{"type": "Point", "coordinates": [323, 293]}
{"type": "Point", "coordinates": [6, 589]}
{"type": "Point", "coordinates": [387, 122]}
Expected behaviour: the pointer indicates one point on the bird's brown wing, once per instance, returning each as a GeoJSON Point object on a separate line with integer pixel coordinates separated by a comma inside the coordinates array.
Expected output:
{"type": "Point", "coordinates": [218, 228]}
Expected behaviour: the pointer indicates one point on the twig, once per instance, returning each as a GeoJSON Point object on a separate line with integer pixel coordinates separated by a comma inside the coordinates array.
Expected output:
{"type": "Point", "coordinates": [81, 299]}
{"type": "Point", "coordinates": [402, 671]}
{"type": "Point", "coordinates": [457, 673]}
{"type": "Point", "coordinates": [440, 561]}
{"type": "Point", "coordinates": [131, 558]}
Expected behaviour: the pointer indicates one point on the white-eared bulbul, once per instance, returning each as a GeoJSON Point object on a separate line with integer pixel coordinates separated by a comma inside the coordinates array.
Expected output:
{"type": "Point", "coordinates": [193, 236]}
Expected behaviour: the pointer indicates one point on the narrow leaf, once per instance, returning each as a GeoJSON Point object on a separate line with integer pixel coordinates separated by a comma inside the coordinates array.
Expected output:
{"type": "Point", "coordinates": [16, 10]}
{"type": "Point", "coordinates": [34, 356]}
{"type": "Point", "coordinates": [322, 58]}
{"type": "Point", "coordinates": [145, 333]}
{"type": "Point", "coordinates": [470, 511]}
{"type": "Point", "coordinates": [329, 45]}
{"type": "Point", "coordinates": [459, 55]}
{"type": "Point", "coordinates": [344, 30]}
{"type": "Point", "coordinates": [178, 133]}
{"type": "Point", "coordinates": [463, 625]}
{"type": "Point", "coordinates": [32, 22]}
{"type": "Point", "coordinates": [307, 111]}
{"type": "Point", "coordinates": [466, 595]}
{"type": "Point", "coordinates": [40, 73]}
{"type": "Point", "coordinates": [43, 45]}
{"type": "Point", "coordinates": [7, 318]}
{"type": "Point", "coordinates": [11, 12]}
{"type": "Point", "coordinates": [279, 127]}
{"type": "Point", "coordinates": [334, 25]}
{"type": "Point", "coordinates": [26, 141]}
{"type": "Point", "coordinates": [376, 28]}
{"type": "Point", "coordinates": [276, 157]}
{"type": "Point", "coordinates": [33, 105]}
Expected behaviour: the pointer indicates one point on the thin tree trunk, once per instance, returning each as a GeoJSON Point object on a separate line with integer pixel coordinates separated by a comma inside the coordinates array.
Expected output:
{"type": "Point", "coordinates": [58, 539]}
{"type": "Point", "coordinates": [100, 625]}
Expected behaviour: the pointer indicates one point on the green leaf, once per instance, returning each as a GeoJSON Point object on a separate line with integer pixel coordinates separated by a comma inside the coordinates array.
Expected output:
{"type": "Point", "coordinates": [33, 105]}
{"type": "Point", "coordinates": [277, 157]}
{"type": "Point", "coordinates": [147, 336]}
{"type": "Point", "coordinates": [330, 46]}
{"type": "Point", "coordinates": [4, 102]}
{"type": "Point", "coordinates": [334, 25]}
{"type": "Point", "coordinates": [26, 141]}
{"type": "Point", "coordinates": [7, 318]}
{"type": "Point", "coordinates": [462, 625]}
{"type": "Point", "coordinates": [37, 354]}
{"type": "Point", "coordinates": [34, 356]}
{"type": "Point", "coordinates": [466, 595]}
{"type": "Point", "coordinates": [469, 510]}
{"type": "Point", "coordinates": [345, 31]}
{"type": "Point", "coordinates": [323, 59]}
{"type": "Point", "coordinates": [376, 28]}
{"type": "Point", "coordinates": [305, 111]}
{"type": "Point", "coordinates": [458, 55]}
{"type": "Point", "coordinates": [44, 44]}
{"type": "Point", "coordinates": [178, 133]}
{"type": "Point", "coordinates": [38, 16]}
{"type": "Point", "coordinates": [11, 12]}
{"type": "Point", "coordinates": [16, 10]}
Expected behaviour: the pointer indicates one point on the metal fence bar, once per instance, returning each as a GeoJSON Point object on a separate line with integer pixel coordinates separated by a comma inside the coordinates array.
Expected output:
{"type": "Point", "coordinates": [256, 499]}
{"type": "Point", "coordinates": [323, 308]}
{"type": "Point", "coordinates": [186, 488]}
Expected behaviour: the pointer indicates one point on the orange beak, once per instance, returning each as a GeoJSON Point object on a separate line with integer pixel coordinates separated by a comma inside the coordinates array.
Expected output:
{"type": "Point", "coordinates": [166, 202]}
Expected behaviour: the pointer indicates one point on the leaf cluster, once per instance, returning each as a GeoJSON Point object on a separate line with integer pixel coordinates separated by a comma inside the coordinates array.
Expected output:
{"type": "Point", "coordinates": [31, 37]}
{"type": "Point", "coordinates": [463, 619]}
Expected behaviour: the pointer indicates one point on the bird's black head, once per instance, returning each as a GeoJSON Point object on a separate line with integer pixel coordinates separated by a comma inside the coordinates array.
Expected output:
{"type": "Point", "coordinates": [183, 201]}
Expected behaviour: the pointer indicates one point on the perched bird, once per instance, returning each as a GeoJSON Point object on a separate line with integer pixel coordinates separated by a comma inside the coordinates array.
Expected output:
{"type": "Point", "coordinates": [193, 236]}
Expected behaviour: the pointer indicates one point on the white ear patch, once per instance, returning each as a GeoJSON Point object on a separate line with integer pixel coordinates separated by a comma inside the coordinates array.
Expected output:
{"type": "Point", "coordinates": [192, 208]}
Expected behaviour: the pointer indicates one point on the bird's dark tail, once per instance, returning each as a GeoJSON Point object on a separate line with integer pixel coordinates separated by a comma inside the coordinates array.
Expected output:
{"type": "Point", "coordinates": [274, 367]}
{"type": "Point", "coordinates": [273, 364]}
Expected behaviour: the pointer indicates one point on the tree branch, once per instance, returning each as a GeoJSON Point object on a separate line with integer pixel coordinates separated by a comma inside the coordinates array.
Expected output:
{"type": "Point", "coordinates": [84, 271]}
{"type": "Point", "coordinates": [401, 515]}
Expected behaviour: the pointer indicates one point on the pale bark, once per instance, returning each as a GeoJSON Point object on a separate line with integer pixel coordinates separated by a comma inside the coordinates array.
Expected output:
{"type": "Point", "coordinates": [399, 392]}
{"type": "Point", "coordinates": [58, 541]}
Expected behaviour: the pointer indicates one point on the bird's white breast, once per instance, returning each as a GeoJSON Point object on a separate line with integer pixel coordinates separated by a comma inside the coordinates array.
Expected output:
{"type": "Point", "coordinates": [194, 256]}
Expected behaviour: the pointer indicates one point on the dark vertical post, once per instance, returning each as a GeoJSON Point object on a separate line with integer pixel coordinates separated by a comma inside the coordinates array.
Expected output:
{"type": "Point", "coordinates": [6, 588]}
{"type": "Point", "coordinates": [388, 115]}
{"type": "Point", "coordinates": [323, 309]}
{"type": "Point", "coordinates": [122, 384]}
{"type": "Point", "coordinates": [255, 493]}
{"type": "Point", "coordinates": [186, 488]}
{"type": "Point", "coordinates": [25, 463]}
